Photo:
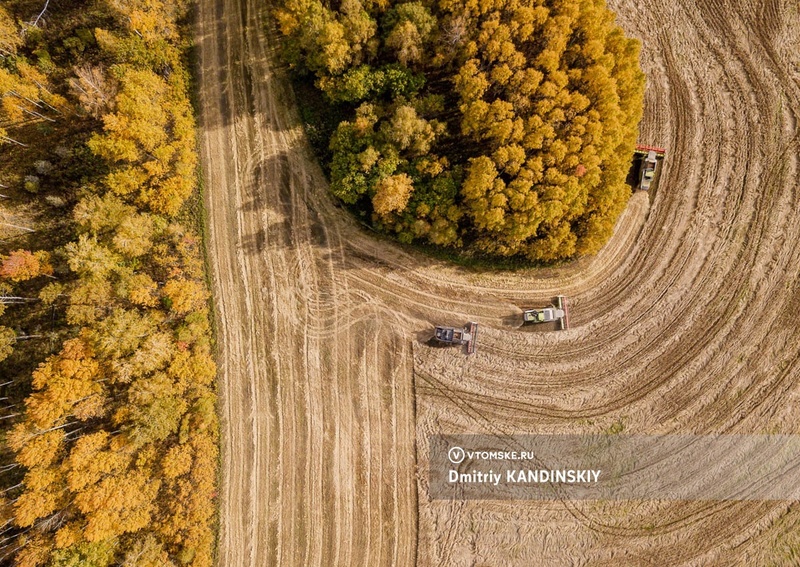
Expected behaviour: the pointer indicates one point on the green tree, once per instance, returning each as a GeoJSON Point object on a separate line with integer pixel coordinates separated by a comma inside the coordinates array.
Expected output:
{"type": "Point", "coordinates": [86, 554]}
{"type": "Point", "coordinates": [147, 552]}
{"type": "Point", "coordinates": [90, 259]}
{"type": "Point", "coordinates": [99, 215]}
{"type": "Point", "coordinates": [154, 410]}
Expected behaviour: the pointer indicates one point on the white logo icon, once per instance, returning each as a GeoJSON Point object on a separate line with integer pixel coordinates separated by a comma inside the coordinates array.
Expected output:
{"type": "Point", "coordinates": [456, 455]}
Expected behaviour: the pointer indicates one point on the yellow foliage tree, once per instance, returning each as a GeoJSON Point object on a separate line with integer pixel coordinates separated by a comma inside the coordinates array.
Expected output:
{"type": "Point", "coordinates": [392, 194]}
{"type": "Point", "coordinates": [185, 295]}
{"type": "Point", "coordinates": [150, 136]}
{"type": "Point", "coordinates": [10, 37]}
{"type": "Point", "coordinates": [117, 504]}
{"type": "Point", "coordinates": [62, 382]}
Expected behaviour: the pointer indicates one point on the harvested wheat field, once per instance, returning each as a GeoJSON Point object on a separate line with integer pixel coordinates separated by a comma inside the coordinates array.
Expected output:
{"type": "Point", "coordinates": [686, 322]}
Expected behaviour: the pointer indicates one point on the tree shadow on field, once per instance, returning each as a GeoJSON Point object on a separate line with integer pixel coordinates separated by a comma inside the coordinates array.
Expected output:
{"type": "Point", "coordinates": [267, 200]}
{"type": "Point", "coordinates": [255, 243]}
{"type": "Point", "coordinates": [278, 200]}
{"type": "Point", "coordinates": [237, 86]}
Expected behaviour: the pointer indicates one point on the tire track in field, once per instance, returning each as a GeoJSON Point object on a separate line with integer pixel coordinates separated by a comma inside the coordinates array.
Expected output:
{"type": "Point", "coordinates": [311, 426]}
{"type": "Point", "coordinates": [685, 322]}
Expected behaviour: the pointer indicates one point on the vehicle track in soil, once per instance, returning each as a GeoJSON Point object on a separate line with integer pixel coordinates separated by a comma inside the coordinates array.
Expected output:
{"type": "Point", "coordinates": [685, 322]}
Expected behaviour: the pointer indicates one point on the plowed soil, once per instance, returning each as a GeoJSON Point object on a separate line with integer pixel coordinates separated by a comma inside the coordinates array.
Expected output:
{"type": "Point", "coordinates": [687, 321]}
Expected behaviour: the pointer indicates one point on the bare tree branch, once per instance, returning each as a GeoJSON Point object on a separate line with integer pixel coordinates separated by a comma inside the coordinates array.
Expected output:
{"type": "Point", "coordinates": [36, 21]}
{"type": "Point", "coordinates": [17, 226]}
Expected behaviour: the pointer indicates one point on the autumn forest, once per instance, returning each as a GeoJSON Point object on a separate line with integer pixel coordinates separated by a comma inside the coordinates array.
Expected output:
{"type": "Point", "coordinates": [503, 127]}
{"type": "Point", "coordinates": [109, 427]}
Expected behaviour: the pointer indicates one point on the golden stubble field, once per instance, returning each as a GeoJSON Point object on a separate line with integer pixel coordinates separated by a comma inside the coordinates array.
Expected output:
{"type": "Point", "coordinates": [685, 323]}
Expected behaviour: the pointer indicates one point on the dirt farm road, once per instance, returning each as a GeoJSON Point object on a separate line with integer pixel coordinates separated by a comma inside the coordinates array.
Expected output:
{"type": "Point", "coordinates": [686, 321]}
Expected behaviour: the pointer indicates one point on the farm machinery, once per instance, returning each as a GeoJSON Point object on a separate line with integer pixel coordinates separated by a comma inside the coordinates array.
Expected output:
{"type": "Point", "coordinates": [649, 156]}
{"type": "Point", "coordinates": [455, 336]}
{"type": "Point", "coordinates": [558, 312]}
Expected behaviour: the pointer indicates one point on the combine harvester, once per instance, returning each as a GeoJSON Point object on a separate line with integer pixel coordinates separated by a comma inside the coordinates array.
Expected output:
{"type": "Point", "coordinates": [650, 156]}
{"type": "Point", "coordinates": [558, 313]}
{"type": "Point", "coordinates": [452, 336]}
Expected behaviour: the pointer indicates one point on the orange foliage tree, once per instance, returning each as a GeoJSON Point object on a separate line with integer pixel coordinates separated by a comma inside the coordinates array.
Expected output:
{"type": "Point", "coordinates": [22, 265]}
